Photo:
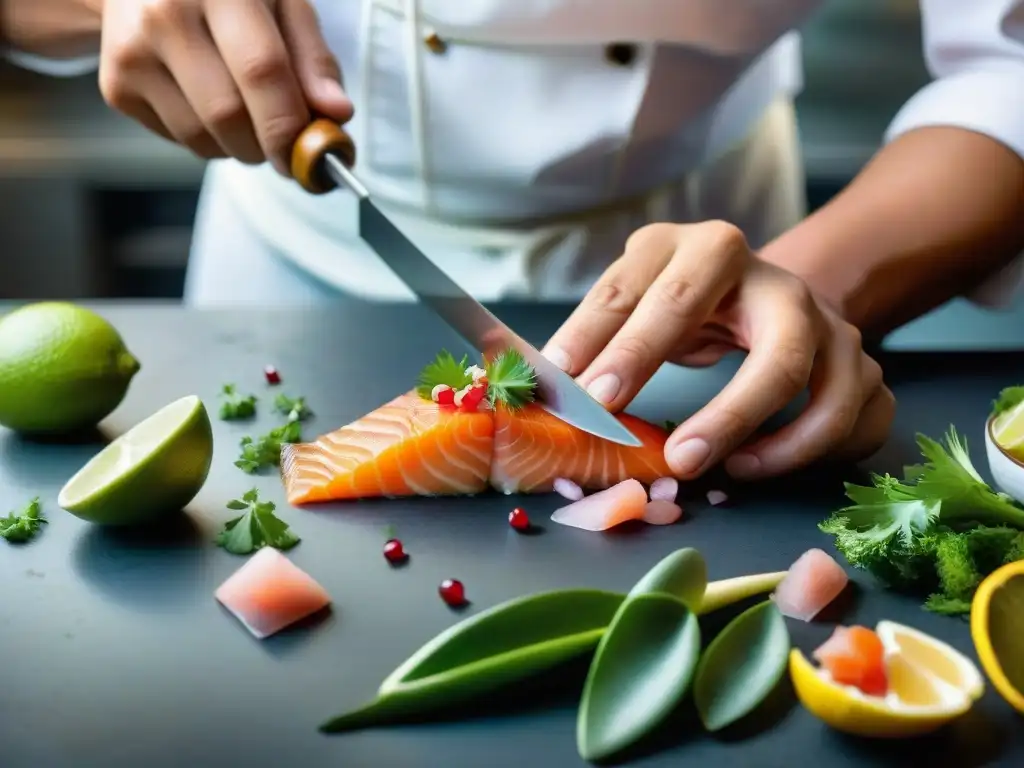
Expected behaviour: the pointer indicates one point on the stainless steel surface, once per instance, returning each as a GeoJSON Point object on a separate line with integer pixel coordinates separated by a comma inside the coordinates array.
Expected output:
{"type": "Point", "coordinates": [558, 393]}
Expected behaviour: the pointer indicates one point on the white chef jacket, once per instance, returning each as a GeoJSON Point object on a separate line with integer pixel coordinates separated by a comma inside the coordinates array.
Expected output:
{"type": "Point", "coordinates": [502, 135]}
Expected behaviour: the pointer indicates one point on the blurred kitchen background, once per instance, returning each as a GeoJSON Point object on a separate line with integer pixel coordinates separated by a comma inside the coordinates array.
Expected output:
{"type": "Point", "coordinates": [93, 206]}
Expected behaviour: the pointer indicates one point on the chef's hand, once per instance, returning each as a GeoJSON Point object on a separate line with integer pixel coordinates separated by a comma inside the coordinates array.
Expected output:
{"type": "Point", "coordinates": [225, 78]}
{"type": "Point", "coordinates": [689, 294]}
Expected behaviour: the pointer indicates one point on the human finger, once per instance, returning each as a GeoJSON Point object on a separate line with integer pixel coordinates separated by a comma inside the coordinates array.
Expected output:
{"type": "Point", "coordinates": [250, 42]}
{"type": "Point", "coordinates": [196, 65]}
{"type": "Point", "coordinates": [785, 331]}
{"type": "Point", "coordinates": [612, 299]}
{"type": "Point", "coordinates": [315, 65]}
{"type": "Point", "coordinates": [707, 264]}
{"type": "Point", "coordinates": [839, 385]}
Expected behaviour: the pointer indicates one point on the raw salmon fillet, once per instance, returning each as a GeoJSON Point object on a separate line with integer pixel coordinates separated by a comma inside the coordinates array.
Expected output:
{"type": "Point", "coordinates": [407, 447]}
{"type": "Point", "coordinates": [415, 447]}
{"type": "Point", "coordinates": [270, 592]}
{"type": "Point", "coordinates": [532, 449]}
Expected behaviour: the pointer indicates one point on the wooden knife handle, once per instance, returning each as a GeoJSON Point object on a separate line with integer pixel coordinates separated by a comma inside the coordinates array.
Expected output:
{"type": "Point", "coordinates": [321, 137]}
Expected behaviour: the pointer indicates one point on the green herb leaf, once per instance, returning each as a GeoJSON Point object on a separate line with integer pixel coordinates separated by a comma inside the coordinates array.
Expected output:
{"type": "Point", "coordinates": [445, 369]}
{"type": "Point", "coordinates": [257, 528]}
{"type": "Point", "coordinates": [741, 666]}
{"type": "Point", "coordinates": [22, 526]}
{"type": "Point", "coordinates": [265, 451]}
{"type": "Point", "coordinates": [670, 426]}
{"type": "Point", "coordinates": [900, 531]}
{"type": "Point", "coordinates": [645, 661]}
{"type": "Point", "coordinates": [1008, 398]}
{"type": "Point", "coordinates": [504, 644]}
{"type": "Point", "coordinates": [511, 380]}
{"type": "Point", "coordinates": [294, 408]}
{"type": "Point", "coordinates": [236, 406]}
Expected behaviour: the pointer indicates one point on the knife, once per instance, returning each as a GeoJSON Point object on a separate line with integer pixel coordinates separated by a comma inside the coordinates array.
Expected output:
{"type": "Point", "coordinates": [321, 158]}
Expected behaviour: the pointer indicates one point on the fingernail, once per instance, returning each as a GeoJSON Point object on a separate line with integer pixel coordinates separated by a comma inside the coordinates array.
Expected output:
{"type": "Point", "coordinates": [559, 357]}
{"type": "Point", "coordinates": [743, 465]}
{"type": "Point", "coordinates": [690, 456]}
{"type": "Point", "coordinates": [605, 387]}
{"type": "Point", "coordinates": [331, 89]}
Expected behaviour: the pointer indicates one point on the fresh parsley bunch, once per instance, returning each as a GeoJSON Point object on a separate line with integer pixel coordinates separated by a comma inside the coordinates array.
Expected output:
{"type": "Point", "coordinates": [940, 530]}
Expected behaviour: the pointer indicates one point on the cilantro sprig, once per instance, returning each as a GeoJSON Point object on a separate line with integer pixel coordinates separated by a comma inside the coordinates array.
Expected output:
{"type": "Point", "coordinates": [265, 450]}
{"type": "Point", "coordinates": [1008, 398]}
{"type": "Point", "coordinates": [511, 380]}
{"type": "Point", "coordinates": [294, 408]}
{"type": "Point", "coordinates": [258, 527]}
{"type": "Point", "coordinates": [940, 529]}
{"type": "Point", "coordinates": [446, 370]}
{"type": "Point", "coordinates": [22, 526]}
{"type": "Point", "coordinates": [235, 405]}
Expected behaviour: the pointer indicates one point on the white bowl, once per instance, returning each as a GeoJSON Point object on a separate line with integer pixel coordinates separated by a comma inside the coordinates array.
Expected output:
{"type": "Point", "coordinates": [1007, 471]}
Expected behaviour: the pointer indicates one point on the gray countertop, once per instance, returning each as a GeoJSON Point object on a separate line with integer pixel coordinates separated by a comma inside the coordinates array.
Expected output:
{"type": "Point", "coordinates": [117, 656]}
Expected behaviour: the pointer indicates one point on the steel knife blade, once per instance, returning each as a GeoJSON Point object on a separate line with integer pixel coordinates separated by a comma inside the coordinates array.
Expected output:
{"type": "Point", "coordinates": [557, 392]}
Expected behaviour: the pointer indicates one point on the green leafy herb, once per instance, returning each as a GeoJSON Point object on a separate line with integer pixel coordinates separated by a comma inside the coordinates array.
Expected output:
{"type": "Point", "coordinates": [1008, 398]}
{"type": "Point", "coordinates": [294, 408]}
{"type": "Point", "coordinates": [446, 370]}
{"type": "Point", "coordinates": [265, 451]}
{"type": "Point", "coordinates": [511, 380]}
{"type": "Point", "coordinates": [940, 529]}
{"type": "Point", "coordinates": [22, 526]}
{"type": "Point", "coordinates": [255, 529]}
{"type": "Point", "coordinates": [236, 406]}
{"type": "Point", "coordinates": [670, 426]}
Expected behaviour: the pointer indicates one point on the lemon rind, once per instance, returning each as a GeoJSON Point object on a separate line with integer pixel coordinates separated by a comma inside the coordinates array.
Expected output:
{"type": "Point", "coordinates": [980, 635]}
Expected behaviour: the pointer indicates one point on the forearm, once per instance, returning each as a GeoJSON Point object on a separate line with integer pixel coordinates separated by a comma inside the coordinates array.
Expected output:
{"type": "Point", "coordinates": [57, 29]}
{"type": "Point", "coordinates": [936, 211]}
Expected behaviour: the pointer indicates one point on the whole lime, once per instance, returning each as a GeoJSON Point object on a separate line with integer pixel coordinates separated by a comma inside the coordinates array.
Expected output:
{"type": "Point", "coordinates": [151, 471]}
{"type": "Point", "coordinates": [63, 368]}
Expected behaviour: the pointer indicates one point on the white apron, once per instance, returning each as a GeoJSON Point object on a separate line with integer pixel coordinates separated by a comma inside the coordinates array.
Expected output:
{"type": "Point", "coordinates": [509, 143]}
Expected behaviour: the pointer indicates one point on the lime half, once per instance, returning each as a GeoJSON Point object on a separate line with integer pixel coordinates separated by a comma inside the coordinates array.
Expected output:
{"type": "Point", "coordinates": [1008, 430]}
{"type": "Point", "coordinates": [154, 469]}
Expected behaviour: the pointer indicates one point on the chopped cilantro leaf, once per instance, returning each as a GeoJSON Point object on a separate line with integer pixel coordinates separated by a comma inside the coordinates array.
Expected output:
{"type": "Point", "coordinates": [294, 408]}
{"type": "Point", "coordinates": [236, 406]}
{"type": "Point", "coordinates": [265, 451]}
{"type": "Point", "coordinates": [445, 369]}
{"type": "Point", "coordinates": [259, 527]}
{"type": "Point", "coordinates": [24, 525]}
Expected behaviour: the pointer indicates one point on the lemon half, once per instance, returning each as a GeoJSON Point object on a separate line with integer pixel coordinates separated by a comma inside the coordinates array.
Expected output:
{"type": "Point", "coordinates": [997, 627]}
{"type": "Point", "coordinates": [930, 684]}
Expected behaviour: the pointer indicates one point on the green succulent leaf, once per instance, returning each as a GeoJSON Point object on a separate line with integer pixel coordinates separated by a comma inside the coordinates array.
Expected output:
{"type": "Point", "coordinates": [741, 666]}
{"type": "Point", "coordinates": [645, 660]}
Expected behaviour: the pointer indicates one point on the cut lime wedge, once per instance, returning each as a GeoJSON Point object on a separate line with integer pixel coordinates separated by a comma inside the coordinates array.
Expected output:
{"type": "Point", "coordinates": [154, 469]}
{"type": "Point", "coordinates": [1008, 429]}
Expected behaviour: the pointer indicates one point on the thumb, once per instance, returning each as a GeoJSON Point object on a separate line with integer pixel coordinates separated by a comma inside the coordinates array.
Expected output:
{"type": "Point", "coordinates": [315, 66]}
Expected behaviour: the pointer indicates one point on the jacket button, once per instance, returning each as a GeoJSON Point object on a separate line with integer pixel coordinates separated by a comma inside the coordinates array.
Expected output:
{"type": "Point", "coordinates": [622, 54]}
{"type": "Point", "coordinates": [435, 43]}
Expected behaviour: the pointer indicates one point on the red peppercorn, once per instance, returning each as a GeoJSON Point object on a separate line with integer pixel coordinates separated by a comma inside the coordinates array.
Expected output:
{"type": "Point", "coordinates": [472, 398]}
{"type": "Point", "coordinates": [446, 397]}
{"type": "Point", "coordinates": [452, 592]}
{"type": "Point", "coordinates": [273, 377]}
{"type": "Point", "coordinates": [393, 551]}
{"type": "Point", "coordinates": [518, 519]}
